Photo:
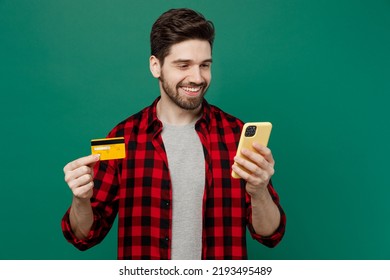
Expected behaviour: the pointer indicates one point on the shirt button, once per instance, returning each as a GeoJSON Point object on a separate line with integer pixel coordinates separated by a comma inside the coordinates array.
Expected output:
{"type": "Point", "coordinates": [165, 203]}
{"type": "Point", "coordinates": [164, 242]}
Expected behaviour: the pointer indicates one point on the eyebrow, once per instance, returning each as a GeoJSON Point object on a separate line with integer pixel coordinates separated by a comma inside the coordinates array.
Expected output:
{"type": "Point", "coordinates": [189, 60]}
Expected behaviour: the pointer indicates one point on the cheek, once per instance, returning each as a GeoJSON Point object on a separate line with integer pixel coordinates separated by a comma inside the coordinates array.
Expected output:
{"type": "Point", "coordinates": [206, 75]}
{"type": "Point", "coordinates": [173, 77]}
{"type": "Point", "coordinates": [207, 78]}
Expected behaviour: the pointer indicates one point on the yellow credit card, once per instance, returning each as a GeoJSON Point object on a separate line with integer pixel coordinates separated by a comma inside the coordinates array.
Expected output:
{"type": "Point", "coordinates": [109, 148]}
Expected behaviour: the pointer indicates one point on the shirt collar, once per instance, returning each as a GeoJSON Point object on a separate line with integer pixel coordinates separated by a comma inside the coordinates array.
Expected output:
{"type": "Point", "coordinates": [155, 125]}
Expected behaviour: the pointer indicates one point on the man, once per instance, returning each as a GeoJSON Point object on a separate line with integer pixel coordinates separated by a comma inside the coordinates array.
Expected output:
{"type": "Point", "coordinates": [173, 191]}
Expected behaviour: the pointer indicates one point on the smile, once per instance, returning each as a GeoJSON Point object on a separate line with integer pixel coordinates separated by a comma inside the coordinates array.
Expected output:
{"type": "Point", "coordinates": [192, 89]}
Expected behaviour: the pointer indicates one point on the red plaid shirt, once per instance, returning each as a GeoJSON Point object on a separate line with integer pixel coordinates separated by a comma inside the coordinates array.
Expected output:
{"type": "Point", "coordinates": [139, 188]}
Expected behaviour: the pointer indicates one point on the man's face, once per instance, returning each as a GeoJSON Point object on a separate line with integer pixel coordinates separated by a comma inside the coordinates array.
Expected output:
{"type": "Point", "coordinates": [186, 73]}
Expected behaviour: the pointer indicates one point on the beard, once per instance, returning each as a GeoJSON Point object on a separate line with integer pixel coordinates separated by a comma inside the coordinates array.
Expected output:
{"type": "Point", "coordinates": [184, 102]}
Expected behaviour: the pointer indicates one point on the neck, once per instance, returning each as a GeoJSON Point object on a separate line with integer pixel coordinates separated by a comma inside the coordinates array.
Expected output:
{"type": "Point", "coordinates": [170, 113]}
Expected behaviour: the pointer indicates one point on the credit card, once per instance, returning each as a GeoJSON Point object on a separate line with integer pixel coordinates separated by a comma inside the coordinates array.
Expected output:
{"type": "Point", "coordinates": [109, 148]}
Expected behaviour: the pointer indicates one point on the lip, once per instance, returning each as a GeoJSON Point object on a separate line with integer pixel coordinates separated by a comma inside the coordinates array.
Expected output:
{"type": "Point", "coordinates": [190, 91]}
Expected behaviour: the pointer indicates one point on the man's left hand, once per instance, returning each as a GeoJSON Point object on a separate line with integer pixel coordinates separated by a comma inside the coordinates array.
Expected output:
{"type": "Point", "coordinates": [259, 165]}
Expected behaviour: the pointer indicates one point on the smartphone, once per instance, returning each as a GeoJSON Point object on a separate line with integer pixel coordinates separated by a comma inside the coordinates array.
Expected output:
{"type": "Point", "coordinates": [252, 132]}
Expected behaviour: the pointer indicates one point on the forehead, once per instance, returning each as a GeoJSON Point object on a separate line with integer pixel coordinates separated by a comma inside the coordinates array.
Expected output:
{"type": "Point", "coordinates": [194, 50]}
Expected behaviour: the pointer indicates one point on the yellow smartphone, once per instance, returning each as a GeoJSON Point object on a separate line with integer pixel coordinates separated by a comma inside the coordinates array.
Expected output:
{"type": "Point", "coordinates": [252, 132]}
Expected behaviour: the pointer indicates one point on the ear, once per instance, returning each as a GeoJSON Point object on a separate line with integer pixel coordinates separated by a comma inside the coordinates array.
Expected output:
{"type": "Point", "coordinates": [155, 66]}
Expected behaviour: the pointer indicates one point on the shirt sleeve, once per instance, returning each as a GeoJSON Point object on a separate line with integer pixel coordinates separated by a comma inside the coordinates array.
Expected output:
{"type": "Point", "coordinates": [104, 204]}
{"type": "Point", "coordinates": [272, 240]}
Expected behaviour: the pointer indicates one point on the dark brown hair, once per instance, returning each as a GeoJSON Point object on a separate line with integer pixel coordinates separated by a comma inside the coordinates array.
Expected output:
{"type": "Point", "coordinates": [176, 26]}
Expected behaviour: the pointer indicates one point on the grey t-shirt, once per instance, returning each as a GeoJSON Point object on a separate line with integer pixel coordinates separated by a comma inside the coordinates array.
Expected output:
{"type": "Point", "coordinates": [187, 170]}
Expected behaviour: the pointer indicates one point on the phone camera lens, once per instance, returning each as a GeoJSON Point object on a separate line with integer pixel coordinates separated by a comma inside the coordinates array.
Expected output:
{"type": "Point", "coordinates": [250, 131]}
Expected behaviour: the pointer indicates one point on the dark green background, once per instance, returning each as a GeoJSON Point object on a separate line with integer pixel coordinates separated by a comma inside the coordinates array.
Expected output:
{"type": "Point", "coordinates": [318, 70]}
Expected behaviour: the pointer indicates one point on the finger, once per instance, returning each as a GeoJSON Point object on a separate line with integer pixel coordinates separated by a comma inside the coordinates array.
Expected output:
{"type": "Point", "coordinates": [258, 159]}
{"type": "Point", "coordinates": [247, 164]}
{"type": "Point", "coordinates": [251, 178]}
{"type": "Point", "coordinates": [80, 182]}
{"type": "Point", "coordinates": [84, 191]}
{"type": "Point", "coordinates": [74, 174]}
{"type": "Point", "coordinates": [264, 151]}
{"type": "Point", "coordinates": [263, 170]}
{"type": "Point", "coordinates": [240, 172]}
{"type": "Point", "coordinates": [88, 160]}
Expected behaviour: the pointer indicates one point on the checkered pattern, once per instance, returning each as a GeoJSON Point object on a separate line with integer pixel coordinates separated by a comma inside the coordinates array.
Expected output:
{"type": "Point", "coordinates": [139, 189]}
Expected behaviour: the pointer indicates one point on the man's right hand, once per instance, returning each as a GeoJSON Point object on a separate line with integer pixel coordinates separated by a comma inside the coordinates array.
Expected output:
{"type": "Point", "coordinates": [79, 176]}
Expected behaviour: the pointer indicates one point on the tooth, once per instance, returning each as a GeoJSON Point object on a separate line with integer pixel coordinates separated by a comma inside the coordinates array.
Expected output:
{"type": "Point", "coordinates": [191, 89]}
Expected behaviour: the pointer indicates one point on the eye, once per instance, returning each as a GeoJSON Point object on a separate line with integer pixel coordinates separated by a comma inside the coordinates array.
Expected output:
{"type": "Point", "coordinates": [183, 66]}
{"type": "Point", "coordinates": [205, 65]}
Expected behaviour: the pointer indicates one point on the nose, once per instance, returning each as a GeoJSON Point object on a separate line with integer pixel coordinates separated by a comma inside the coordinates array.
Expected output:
{"type": "Point", "coordinates": [196, 75]}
